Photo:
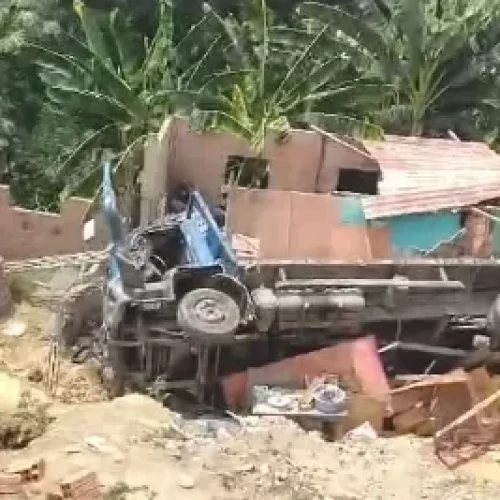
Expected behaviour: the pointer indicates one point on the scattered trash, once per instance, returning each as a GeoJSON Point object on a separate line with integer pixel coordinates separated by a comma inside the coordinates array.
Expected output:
{"type": "Point", "coordinates": [29, 471]}
{"type": "Point", "coordinates": [460, 409]}
{"type": "Point", "coordinates": [364, 431]}
{"type": "Point", "coordinates": [329, 398]}
{"type": "Point", "coordinates": [291, 403]}
{"type": "Point", "coordinates": [96, 443]}
{"type": "Point", "coordinates": [100, 445]}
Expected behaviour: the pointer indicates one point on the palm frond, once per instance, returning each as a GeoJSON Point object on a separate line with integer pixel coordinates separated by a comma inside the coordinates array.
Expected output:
{"type": "Point", "coordinates": [93, 138]}
{"type": "Point", "coordinates": [352, 26]}
{"type": "Point", "coordinates": [296, 65]}
{"type": "Point", "coordinates": [93, 33]}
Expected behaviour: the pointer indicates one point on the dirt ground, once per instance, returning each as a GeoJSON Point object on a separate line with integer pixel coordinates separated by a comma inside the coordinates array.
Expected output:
{"type": "Point", "coordinates": [142, 450]}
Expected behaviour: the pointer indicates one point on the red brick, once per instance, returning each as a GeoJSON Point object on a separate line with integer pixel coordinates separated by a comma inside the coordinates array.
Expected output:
{"type": "Point", "coordinates": [7, 479]}
{"type": "Point", "coordinates": [82, 484]}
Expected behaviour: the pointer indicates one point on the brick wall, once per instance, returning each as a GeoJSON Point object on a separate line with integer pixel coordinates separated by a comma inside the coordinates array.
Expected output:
{"type": "Point", "coordinates": [27, 234]}
{"type": "Point", "coordinates": [306, 161]}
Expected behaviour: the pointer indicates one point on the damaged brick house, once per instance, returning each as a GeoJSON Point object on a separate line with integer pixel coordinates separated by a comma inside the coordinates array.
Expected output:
{"type": "Point", "coordinates": [431, 191]}
{"type": "Point", "coordinates": [335, 198]}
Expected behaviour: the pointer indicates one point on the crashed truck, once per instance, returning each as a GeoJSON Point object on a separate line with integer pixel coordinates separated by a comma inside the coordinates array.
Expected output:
{"type": "Point", "coordinates": [180, 310]}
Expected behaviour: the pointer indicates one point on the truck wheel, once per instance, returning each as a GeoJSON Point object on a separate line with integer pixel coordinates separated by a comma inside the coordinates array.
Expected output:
{"type": "Point", "coordinates": [493, 325]}
{"type": "Point", "coordinates": [208, 316]}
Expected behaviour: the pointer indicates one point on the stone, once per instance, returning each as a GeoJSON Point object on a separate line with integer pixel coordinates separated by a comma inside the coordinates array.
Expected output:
{"type": "Point", "coordinates": [186, 482]}
{"type": "Point", "coordinates": [11, 393]}
{"type": "Point", "coordinates": [13, 328]}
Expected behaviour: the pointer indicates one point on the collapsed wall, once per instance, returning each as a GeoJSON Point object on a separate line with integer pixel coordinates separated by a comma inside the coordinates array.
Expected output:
{"type": "Point", "coordinates": [29, 234]}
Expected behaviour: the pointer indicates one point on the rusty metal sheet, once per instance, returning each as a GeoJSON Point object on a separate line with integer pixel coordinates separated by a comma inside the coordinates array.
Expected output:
{"type": "Point", "coordinates": [424, 175]}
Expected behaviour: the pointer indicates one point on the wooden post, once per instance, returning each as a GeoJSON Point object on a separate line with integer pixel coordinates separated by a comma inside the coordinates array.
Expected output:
{"type": "Point", "coordinates": [148, 180]}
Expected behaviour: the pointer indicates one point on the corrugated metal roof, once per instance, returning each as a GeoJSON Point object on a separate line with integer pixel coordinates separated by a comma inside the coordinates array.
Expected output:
{"type": "Point", "coordinates": [424, 175]}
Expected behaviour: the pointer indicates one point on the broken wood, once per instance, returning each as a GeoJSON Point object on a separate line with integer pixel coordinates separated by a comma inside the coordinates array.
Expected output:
{"type": "Point", "coordinates": [475, 410]}
{"type": "Point", "coordinates": [459, 441]}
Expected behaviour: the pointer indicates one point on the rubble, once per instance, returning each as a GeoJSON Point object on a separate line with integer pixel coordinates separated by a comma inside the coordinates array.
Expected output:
{"type": "Point", "coordinates": [356, 360]}
{"type": "Point", "coordinates": [460, 409]}
{"type": "Point", "coordinates": [82, 486]}
{"type": "Point", "coordinates": [23, 417]}
{"type": "Point", "coordinates": [29, 479]}
{"type": "Point", "coordinates": [13, 328]}
{"type": "Point", "coordinates": [20, 477]}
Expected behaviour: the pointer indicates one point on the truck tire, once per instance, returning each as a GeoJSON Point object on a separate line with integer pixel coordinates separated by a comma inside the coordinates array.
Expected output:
{"type": "Point", "coordinates": [493, 325]}
{"type": "Point", "coordinates": [208, 316]}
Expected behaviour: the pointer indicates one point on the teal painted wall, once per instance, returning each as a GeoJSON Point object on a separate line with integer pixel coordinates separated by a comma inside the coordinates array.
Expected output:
{"type": "Point", "coordinates": [423, 231]}
{"type": "Point", "coordinates": [351, 211]}
{"type": "Point", "coordinates": [408, 232]}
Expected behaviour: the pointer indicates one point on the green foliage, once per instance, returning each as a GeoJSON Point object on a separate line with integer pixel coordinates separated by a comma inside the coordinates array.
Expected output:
{"type": "Point", "coordinates": [277, 81]}
{"type": "Point", "coordinates": [21, 91]}
{"type": "Point", "coordinates": [118, 83]}
{"type": "Point", "coordinates": [437, 54]}
{"type": "Point", "coordinates": [92, 79]}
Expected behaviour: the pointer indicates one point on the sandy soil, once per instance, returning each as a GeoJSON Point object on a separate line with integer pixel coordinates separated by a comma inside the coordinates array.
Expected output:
{"type": "Point", "coordinates": [141, 450]}
{"type": "Point", "coordinates": [136, 442]}
{"type": "Point", "coordinates": [27, 355]}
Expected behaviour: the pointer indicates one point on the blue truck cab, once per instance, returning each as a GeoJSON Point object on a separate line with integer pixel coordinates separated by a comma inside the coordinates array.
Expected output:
{"type": "Point", "coordinates": [179, 271]}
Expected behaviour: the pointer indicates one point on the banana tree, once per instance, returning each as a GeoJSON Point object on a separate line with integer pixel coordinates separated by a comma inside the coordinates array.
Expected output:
{"type": "Point", "coordinates": [119, 85]}
{"type": "Point", "coordinates": [437, 54]}
{"type": "Point", "coordinates": [276, 84]}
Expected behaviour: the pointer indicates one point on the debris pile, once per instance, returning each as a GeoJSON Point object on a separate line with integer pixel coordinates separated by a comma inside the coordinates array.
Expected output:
{"type": "Point", "coordinates": [22, 416]}
{"type": "Point", "coordinates": [461, 410]}
{"type": "Point", "coordinates": [26, 355]}
{"type": "Point", "coordinates": [82, 486]}
{"type": "Point", "coordinates": [25, 479]}
{"type": "Point", "coordinates": [19, 477]}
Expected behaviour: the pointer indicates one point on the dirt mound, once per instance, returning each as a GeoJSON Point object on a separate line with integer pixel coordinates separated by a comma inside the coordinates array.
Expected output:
{"type": "Point", "coordinates": [23, 423]}
{"type": "Point", "coordinates": [79, 384]}
{"type": "Point", "coordinates": [27, 356]}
